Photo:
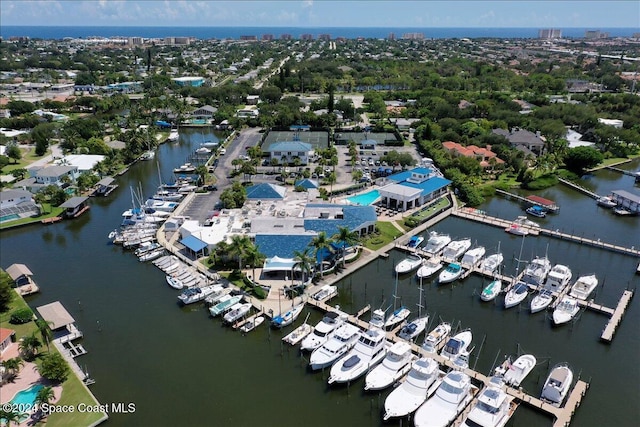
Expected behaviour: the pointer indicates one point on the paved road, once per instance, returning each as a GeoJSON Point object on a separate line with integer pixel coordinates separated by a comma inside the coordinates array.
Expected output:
{"type": "Point", "coordinates": [56, 153]}
{"type": "Point", "coordinates": [235, 149]}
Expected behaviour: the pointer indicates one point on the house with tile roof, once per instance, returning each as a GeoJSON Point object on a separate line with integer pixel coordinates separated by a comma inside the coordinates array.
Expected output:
{"type": "Point", "coordinates": [483, 155]}
{"type": "Point", "coordinates": [523, 139]}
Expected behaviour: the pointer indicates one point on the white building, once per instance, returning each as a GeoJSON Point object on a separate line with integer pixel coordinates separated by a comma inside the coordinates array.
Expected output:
{"type": "Point", "coordinates": [287, 151]}
{"type": "Point", "coordinates": [612, 122]}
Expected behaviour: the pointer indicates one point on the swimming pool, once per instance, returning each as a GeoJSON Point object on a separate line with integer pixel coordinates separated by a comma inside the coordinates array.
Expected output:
{"type": "Point", "coordinates": [26, 399]}
{"type": "Point", "coordinates": [9, 217]}
{"type": "Point", "coordinates": [365, 199]}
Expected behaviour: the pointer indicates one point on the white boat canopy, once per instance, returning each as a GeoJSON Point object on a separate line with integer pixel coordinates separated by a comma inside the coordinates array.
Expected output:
{"type": "Point", "coordinates": [278, 264]}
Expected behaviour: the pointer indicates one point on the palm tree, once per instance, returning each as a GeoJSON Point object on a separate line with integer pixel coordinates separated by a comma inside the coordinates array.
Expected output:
{"type": "Point", "coordinates": [10, 417]}
{"type": "Point", "coordinates": [347, 238]}
{"type": "Point", "coordinates": [253, 257]}
{"type": "Point", "coordinates": [29, 345]}
{"type": "Point", "coordinates": [45, 331]}
{"type": "Point", "coordinates": [12, 366]}
{"type": "Point", "coordinates": [305, 261]}
{"type": "Point", "coordinates": [239, 247]}
{"type": "Point", "coordinates": [45, 395]}
{"type": "Point", "coordinates": [320, 243]}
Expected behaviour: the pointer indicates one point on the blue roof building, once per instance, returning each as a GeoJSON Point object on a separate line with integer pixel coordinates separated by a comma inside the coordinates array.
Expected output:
{"type": "Point", "coordinates": [266, 191]}
{"type": "Point", "coordinates": [413, 188]}
{"type": "Point", "coordinates": [307, 183]}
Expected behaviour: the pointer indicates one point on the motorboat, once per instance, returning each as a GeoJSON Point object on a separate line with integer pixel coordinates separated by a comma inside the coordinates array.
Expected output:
{"type": "Point", "coordinates": [606, 202]}
{"type": "Point", "coordinates": [517, 229]}
{"type": "Point", "coordinates": [224, 303]}
{"type": "Point", "coordinates": [396, 317]}
{"type": "Point", "coordinates": [322, 331]}
{"type": "Point", "coordinates": [148, 155]}
{"type": "Point", "coordinates": [537, 211]}
{"type": "Point", "coordinates": [558, 278]}
{"type": "Point", "coordinates": [451, 273]}
{"type": "Point", "coordinates": [251, 324]}
{"type": "Point", "coordinates": [429, 268]}
{"type": "Point", "coordinates": [413, 328]}
{"type": "Point", "coordinates": [378, 318]}
{"type": "Point", "coordinates": [337, 345]}
{"type": "Point", "coordinates": [415, 241]}
{"type": "Point", "coordinates": [557, 385]}
{"type": "Point", "coordinates": [473, 256]}
{"type": "Point", "coordinates": [394, 366]}
{"type": "Point", "coordinates": [514, 373]}
{"type": "Point", "coordinates": [456, 248]}
{"type": "Point", "coordinates": [536, 272]}
{"type": "Point", "coordinates": [584, 286]}
{"type": "Point", "coordinates": [457, 345]}
{"type": "Point", "coordinates": [215, 297]}
{"type": "Point", "coordinates": [493, 408]}
{"type": "Point", "coordinates": [147, 247]}
{"type": "Point", "coordinates": [436, 337]}
{"type": "Point", "coordinates": [492, 262]}
{"type": "Point", "coordinates": [288, 317]}
{"type": "Point", "coordinates": [161, 205]}
{"type": "Point", "coordinates": [523, 220]}
{"type": "Point", "coordinates": [491, 290]}
{"type": "Point", "coordinates": [453, 395]}
{"type": "Point", "coordinates": [173, 136]}
{"type": "Point", "coordinates": [151, 255]}
{"type": "Point", "coordinates": [237, 312]}
{"type": "Point", "coordinates": [408, 264]}
{"type": "Point", "coordinates": [185, 168]}
{"type": "Point", "coordinates": [516, 294]}
{"type": "Point", "coordinates": [195, 294]}
{"type": "Point", "coordinates": [436, 243]}
{"type": "Point", "coordinates": [541, 300]}
{"type": "Point", "coordinates": [325, 292]}
{"type": "Point", "coordinates": [298, 334]}
{"type": "Point", "coordinates": [565, 310]}
{"type": "Point", "coordinates": [371, 348]}
{"type": "Point", "coordinates": [136, 216]}
{"type": "Point", "coordinates": [422, 380]}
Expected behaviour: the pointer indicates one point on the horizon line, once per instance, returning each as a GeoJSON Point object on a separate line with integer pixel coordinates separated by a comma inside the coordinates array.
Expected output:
{"type": "Point", "coordinates": [294, 26]}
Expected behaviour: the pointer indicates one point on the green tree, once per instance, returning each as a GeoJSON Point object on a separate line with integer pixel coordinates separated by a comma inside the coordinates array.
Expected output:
{"type": "Point", "coordinates": [45, 331]}
{"type": "Point", "coordinates": [6, 293]}
{"type": "Point", "coordinates": [18, 108]}
{"type": "Point", "coordinates": [202, 173]}
{"type": "Point", "coordinates": [304, 261]}
{"type": "Point", "coordinates": [54, 368]}
{"type": "Point", "coordinates": [12, 366]}
{"type": "Point", "coordinates": [45, 396]}
{"type": "Point", "coordinates": [579, 159]}
{"type": "Point", "coordinates": [29, 346]}
{"type": "Point", "coordinates": [10, 417]}
{"type": "Point", "coordinates": [238, 247]}
{"type": "Point", "coordinates": [345, 237]}
{"type": "Point", "coordinates": [320, 243]}
{"type": "Point", "coordinates": [13, 152]}
{"type": "Point", "coordinates": [254, 258]}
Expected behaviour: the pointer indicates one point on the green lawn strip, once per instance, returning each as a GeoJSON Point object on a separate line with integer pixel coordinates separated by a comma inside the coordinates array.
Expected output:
{"type": "Point", "coordinates": [24, 329]}
{"type": "Point", "coordinates": [385, 235]}
{"type": "Point", "coordinates": [50, 212]}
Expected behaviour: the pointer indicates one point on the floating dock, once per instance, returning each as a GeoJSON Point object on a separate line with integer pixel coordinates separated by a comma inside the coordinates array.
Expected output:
{"type": "Point", "coordinates": [616, 317]}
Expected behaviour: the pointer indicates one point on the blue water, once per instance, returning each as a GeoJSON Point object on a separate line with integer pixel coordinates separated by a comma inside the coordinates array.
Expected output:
{"type": "Point", "coordinates": [7, 31]}
{"type": "Point", "coordinates": [365, 199]}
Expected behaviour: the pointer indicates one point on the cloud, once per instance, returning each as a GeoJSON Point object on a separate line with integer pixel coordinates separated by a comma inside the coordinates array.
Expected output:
{"type": "Point", "coordinates": [307, 3]}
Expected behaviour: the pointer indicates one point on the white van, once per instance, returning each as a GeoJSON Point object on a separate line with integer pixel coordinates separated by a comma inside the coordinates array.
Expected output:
{"type": "Point", "coordinates": [223, 151]}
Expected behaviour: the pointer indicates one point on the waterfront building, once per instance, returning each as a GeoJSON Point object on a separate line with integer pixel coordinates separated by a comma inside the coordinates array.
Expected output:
{"type": "Point", "coordinates": [83, 162]}
{"type": "Point", "coordinates": [54, 175]}
{"type": "Point", "coordinates": [413, 188]}
{"type": "Point", "coordinates": [7, 336]}
{"type": "Point", "coordinates": [62, 324]}
{"type": "Point", "coordinates": [189, 81]}
{"type": "Point", "coordinates": [286, 151]}
{"type": "Point", "coordinates": [483, 155]}
{"type": "Point", "coordinates": [523, 139]}
{"type": "Point", "coordinates": [627, 200]}
{"type": "Point", "coordinates": [205, 112]}
{"type": "Point", "coordinates": [75, 206]}
{"type": "Point", "coordinates": [550, 33]}
{"type": "Point", "coordinates": [15, 198]}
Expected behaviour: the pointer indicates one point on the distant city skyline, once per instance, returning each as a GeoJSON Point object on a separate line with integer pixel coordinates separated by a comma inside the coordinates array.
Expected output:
{"type": "Point", "coordinates": [324, 13]}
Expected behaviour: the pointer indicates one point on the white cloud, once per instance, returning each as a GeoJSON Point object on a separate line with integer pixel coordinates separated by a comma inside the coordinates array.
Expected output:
{"type": "Point", "coordinates": [307, 3]}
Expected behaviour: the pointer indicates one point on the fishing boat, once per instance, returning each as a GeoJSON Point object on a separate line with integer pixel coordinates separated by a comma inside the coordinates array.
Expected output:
{"type": "Point", "coordinates": [516, 294]}
{"type": "Point", "coordinates": [429, 268]}
{"type": "Point", "coordinates": [584, 286]}
{"type": "Point", "coordinates": [288, 317]}
{"type": "Point", "coordinates": [173, 135]}
{"type": "Point", "coordinates": [473, 256]}
{"type": "Point", "coordinates": [491, 290]}
{"type": "Point", "coordinates": [237, 312]}
{"type": "Point", "coordinates": [537, 211]}
{"type": "Point", "coordinates": [185, 168]}
{"type": "Point", "coordinates": [456, 248]}
{"type": "Point", "coordinates": [415, 241]}
{"type": "Point", "coordinates": [606, 202]}
{"type": "Point", "coordinates": [325, 292]}
{"type": "Point", "coordinates": [371, 348]}
{"type": "Point", "coordinates": [422, 380]}
{"type": "Point", "coordinates": [408, 264]}
{"type": "Point", "coordinates": [195, 294]}
{"type": "Point", "coordinates": [251, 324]}
{"type": "Point", "coordinates": [523, 220]}
{"type": "Point", "coordinates": [224, 303]}
{"type": "Point", "coordinates": [413, 328]}
{"type": "Point", "coordinates": [436, 337]}
{"type": "Point", "coordinates": [338, 344]}
{"type": "Point", "coordinates": [457, 345]}
{"type": "Point", "coordinates": [298, 334]}
{"type": "Point", "coordinates": [557, 385]}
{"type": "Point", "coordinates": [396, 317]}
{"type": "Point", "coordinates": [492, 262]}
{"type": "Point", "coordinates": [147, 247]}
{"type": "Point", "coordinates": [558, 278]}
{"type": "Point", "coordinates": [151, 255]}
{"type": "Point", "coordinates": [450, 274]}
{"type": "Point", "coordinates": [565, 310]}
{"type": "Point", "coordinates": [453, 395]}
{"type": "Point", "coordinates": [322, 331]}
{"type": "Point", "coordinates": [541, 300]}
{"type": "Point", "coordinates": [378, 318]}
{"type": "Point", "coordinates": [536, 272]}
{"type": "Point", "coordinates": [393, 367]}
{"type": "Point", "coordinates": [514, 373]}
{"type": "Point", "coordinates": [493, 408]}
{"type": "Point", "coordinates": [436, 243]}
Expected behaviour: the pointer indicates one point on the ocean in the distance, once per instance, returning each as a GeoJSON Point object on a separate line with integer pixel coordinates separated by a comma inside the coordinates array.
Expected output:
{"type": "Point", "coordinates": [40, 32]}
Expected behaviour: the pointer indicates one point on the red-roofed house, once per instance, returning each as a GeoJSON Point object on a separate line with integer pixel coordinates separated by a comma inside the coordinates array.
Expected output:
{"type": "Point", "coordinates": [6, 338]}
{"type": "Point", "coordinates": [482, 154]}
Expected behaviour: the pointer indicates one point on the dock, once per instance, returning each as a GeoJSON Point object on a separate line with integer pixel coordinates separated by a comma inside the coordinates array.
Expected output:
{"type": "Point", "coordinates": [579, 188]}
{"type": "Point", "coordinates": [636, 175]}
{"type": "Point", "coordinates": [531, 200]}
{"type": "Point", "coordinates": [616, 317]}
{"type": "Point", "coordinates": [51, 220]}
{"type": "Point", "coordinates": [477, 216]}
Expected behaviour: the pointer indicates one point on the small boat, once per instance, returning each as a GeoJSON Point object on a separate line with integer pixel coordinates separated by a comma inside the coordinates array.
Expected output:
{"type": "Point", "coordinates": [537, 271]}
{"type": "Point", "coordinates": [558, 278]}
{"type": "Point", "coordinates": [622, 212]}
{"type": "Point", "coordinates": [185, 168]}
{"type": "Point", "coordinates": [436, 337]}
{"type": "Point", "coordinates": [371, 348]}
{"type": "Point", "coordinates": [606, 202]}
{"type": "Point", "coordinates": [339, 343]}
{"type": "Point", "coordinates": [421, 382]}
{"type": "Point", "coordinates": [436, 243]}
{"type": "Point", "coordinates": [451, 273]}
{"type": "Point", "coordinates": [298, 334]}
{"type": "Point", "coordinates": [224, 303]}
{"type": "Point", "coordinates": [161, 205]}
{"type": "Point", "coordinates": [148, 155]}
{"type": "Point", "coordinates": [236, 312]}
{"type": "Point", "coordinates": [492, 262]}
{"type": "Point", "coordinates": [473, 256]}
{"type": "Point", "coordinates": [491, 290]}
{"type": "Point", "coordinates": [196, 294]}
{"type": "Point", "coordinates": [216, 297]}
{"type": "Point", "coordinates": [413, 328]}
{"type": "Point", "coordinates": [321, 332]}
{"type": "Point", "coordinates": [493, 407]}
{"type": "Point", "coordinates": [408, 264]}
{"type": "Point", "coordinates": [203, 150]}
{"type": "Point", "coordinates": [173, 136]}
{"type": "Point", "coordinates": [523, 220]}
{"type": "Point", "coordinates": [326, 292]}
{"type": "Point", "coordinates": [250, 325]}
{"type": "Point", "coordinates": [377, 318]}
{"type": "Point", "coordinates": [541, 301]}
{"type": "Point", "coordinates": [584, 286]}
{"type": "Point", "coordinates": [457, 345]}
{"type": "Point", "coordinates": [151, 255]}
{"type": "Point", "coordinates": [288, 317]}
{"type": "Point", "coordinates": [396, 317]}
{"type": "Point", "coordinates": [516, 294]}
{"type": "Point", "coordinates": [147, 247]}
{"type": "Point", "coordinates": [565, 310]}
{"type": "Point", "coordinates": [514, 373]}
{"type": "Point", "coordinates": [557, 385]}
{"type": "Point", "coordinates": [517, 229]}
{"type": "Point", "coordinates": [456, 248]}
{"type": "Point", "coordinates": [394, 366]}
{"type": "Point", "coordinates": [429, 268]}
{"type": "Point", "coordinates": [453, 395]}
{"type": "Point", "coordinates": [415, 241]}
{"type": "Point", "coordinates": [537, 211]}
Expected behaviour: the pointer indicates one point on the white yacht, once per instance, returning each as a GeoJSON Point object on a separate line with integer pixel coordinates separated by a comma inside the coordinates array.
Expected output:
{"type": "Point", "coordinates": [252, 324]}
{"type": "Point", "coordinates": [514, 373]}
{"type": "Point", "coordinates": [288, 317]}
{"type": "Point", "coordinates": [224, 303]}
{"type": "Point", "coordinates": [606, 202]}
{"type": "Point", "coordinates": [173, 135]}
{"type": "Point", "coordinates": [457, 345]}
{"type": "Point", "coordinates": [492, 262]}
{"type": "Point", "coordinates": [558, 278]}
{"type": "Point", "coordinates": [565, 310]}
{"type": "Point", "coordinates": [396, 317]}
{"type": "Point", "coordinates": [322, 331]}
{"type": "Point", "coordinates": [584, 286]}
{"type": "Point", "coordinates": [537, 271]}
{"type": "Point", "coordinates": [237, 311]}
{"type": "Point", "coordinates": [473, 256]}
{"type": "Point", "coordinates": [517, 229]}
{"type": "Point", "coordinates": [453, 395]}
{"type": "Point", "coordinates": [456, 248]}
{"type": "Point", "coordinates": [436, 337]}
{"type": "Point", "coordinates": [451, 273]}
{"type": "Point", "coordinates": [408, 264]}
{"type": "Point", "coordinates": [436, 243]}
{"type": "Point", "coordinates": [394, 366]}
{"type": "Point", "coordinates": [429, 268]}
{"type": "Point", "coordinates": [542, 300]}
{"type": "Point", "coordinates": [371, 348]}
{"type": "Point", "coordinates": [491, 290]}
{"type": "Point", "coordinates": [516, 294]}
{"type": "Point", "coordinates": [493, 407]}
{"type": "Point", "coordinates": [195, 294]}
{"type": "Point", "coordinates": [557, 385]}
{"type": "Point", "coordinates": [523, 220]}
{"type": "Point", "coordinates": [326, 292]}
{"type": "Point", "coordinates": [422, 380]}
{"type": "Point", "coordinates": [413, 328]}
{"type": "Point", "coordinates": [339, 343]}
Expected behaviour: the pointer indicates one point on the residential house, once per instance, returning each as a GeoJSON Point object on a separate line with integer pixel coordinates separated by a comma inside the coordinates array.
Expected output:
{"type": "Point", "coordinates": [7, 336]}
{"type": "Point", "coordinates": [523, 139]}
{"type": "Point", "coordinates": [15, 204]}
{"type": "Point", "coordinates": [54, 175]}
{"type": "Point", "coordinates": [205, 112]}
{"type": "Point", "coordinates": [483, 155]}
{"type": "Point", "coordinates": [288, 151]}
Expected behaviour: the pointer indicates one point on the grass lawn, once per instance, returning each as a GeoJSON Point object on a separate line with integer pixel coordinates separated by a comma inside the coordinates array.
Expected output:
{"type": "Point", "coordinates": [50, 212]}
{"type": "Point", "coordinates": [385, 235]}
{"type": "Point", "coordinates": [23, 329]}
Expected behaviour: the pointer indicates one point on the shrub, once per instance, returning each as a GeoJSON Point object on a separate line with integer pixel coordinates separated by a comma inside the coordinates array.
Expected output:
{"type": "Point", "coordinates": [54, 368]}
{"type": "Point", "coordinates": [22, 315]}
{"type": "Point", "coordinates": [540, 183]}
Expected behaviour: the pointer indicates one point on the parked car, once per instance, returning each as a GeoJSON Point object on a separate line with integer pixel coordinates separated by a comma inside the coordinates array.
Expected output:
{"type": "Point", "coordinates": [223, 151]}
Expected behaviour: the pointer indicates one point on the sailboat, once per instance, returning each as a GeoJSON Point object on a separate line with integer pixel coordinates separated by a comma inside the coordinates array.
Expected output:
{"type": "Point", "coordinates": [417, 326]}
{"type": "Point", "coordinates": [399, 314]}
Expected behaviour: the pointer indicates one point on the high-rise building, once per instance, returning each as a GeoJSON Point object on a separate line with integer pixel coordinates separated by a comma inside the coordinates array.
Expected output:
{"type": "Point", "coordinates": [267, 37]}
{"type": "Point", "coordinates": [392, 36]}
{"type": "Point", "coordinates": [550, 33]}
{"type": "Point", "coordinates": [325, 37]}
{"type": "Point", "coordinates": [286, 36]}
{"type": "Point", "coordinates": [249, 38]}
{"type": "Point", "coordinates": [306, 37]}
{"type": "Point", "coordinates": [413, 36]}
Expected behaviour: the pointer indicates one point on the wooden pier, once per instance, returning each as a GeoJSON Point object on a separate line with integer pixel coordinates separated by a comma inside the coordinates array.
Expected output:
{"type": "Point", "coordinates": [636, 175]}
{"type": "Point", "coordinates": [492, 220]}
{"type": "Point", "coordinates": [616, 317]}
{"type": "Point", "coordinates": [550, 207]}
{"type": "Point", "coordinates": [579, 188]}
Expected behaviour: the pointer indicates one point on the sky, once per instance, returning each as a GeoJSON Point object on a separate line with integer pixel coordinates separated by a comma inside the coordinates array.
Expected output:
{"type": "Point", "coordinates": [324, 13]}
